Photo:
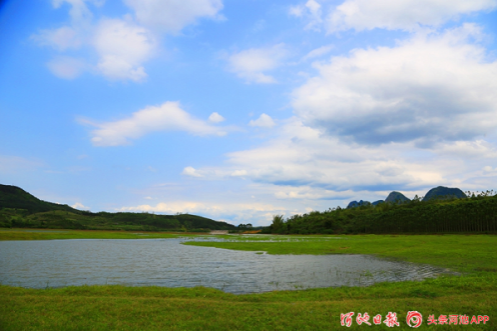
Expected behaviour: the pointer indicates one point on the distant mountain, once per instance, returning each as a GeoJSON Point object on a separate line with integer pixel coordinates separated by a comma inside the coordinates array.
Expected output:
{"type": "Point", "coordinates": [442, 192]}
{"type": "Point", "coordinates": [354, 204]}
{"type": "Point", "coordinates": [396, 197]}
{"type": "Point", "coordinates": [18, 208]}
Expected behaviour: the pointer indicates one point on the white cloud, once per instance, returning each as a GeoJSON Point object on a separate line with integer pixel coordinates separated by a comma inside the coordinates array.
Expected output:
{"type": "Point", "coordinates": [255, 213]}
{"type": "Point", "coordinates": [167, 117]}
{"type": "Point", "coordinates": [190, 171]}
{"type": "Point", "coordinates": [80, 206]}
{"type": "Point", "coordinates": [60, 39]}
{"type": "Point", "coordinates": [123, 47]}
{"type": "Point", "coordinates": [251, 64]}
{"type": "Point", "coordinates": [66, 67]}
{"type": "Point", "coordinates": [427, 89]}
{"type": "Point", "coordinates": [312, 11]}
{"type": "Point", "coordinates": [174, 15]}
{"type": "Point", "coordinates": [310, 193]}
{"type": "Point", "coordinates": [489, 169]}
{"type": "Point", "coordinates": [79, 12]}
{"type": "Point", "coordinates": [68, 37]}
{"type": "Point", "coordinates": [401, 14]}
{"type": "Point", "coordinates": [239, 173]}
{"type": "Point", "coordinates": [264, 121]}
{"type": "Point", "coordinates": [318, 52]}
{"type": "Point", "coordinates": [296, 11]}
{"type": "Point", "coordinates": [478, 149]}
{"type": "Point", "coordinates": [216, 118]}
{"type": "Point", "coordinates": [302, 163]}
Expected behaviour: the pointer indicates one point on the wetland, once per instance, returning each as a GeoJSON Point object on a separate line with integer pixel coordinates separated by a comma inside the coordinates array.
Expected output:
{"type": "Point", "coordinates": [168, 263]}
{"type": "Point", "coordinates": [128, 306]}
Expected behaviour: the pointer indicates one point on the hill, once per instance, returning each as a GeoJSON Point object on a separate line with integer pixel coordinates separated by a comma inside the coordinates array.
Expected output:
{"type": "Point", "coordinates": [442, 192]}
{"type": "Point", "coordinates": [17, 198]}
{"type": "Point", "coordinates": [354, 204]}
{"type": "Point", "coordinates": [18, 208]}
{"type": "Point", "coordinates": [396, 197]}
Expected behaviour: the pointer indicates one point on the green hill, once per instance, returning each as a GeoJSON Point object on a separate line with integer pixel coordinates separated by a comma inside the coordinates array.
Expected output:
{"type": "Point", "coordinates": [18, 208]}
{"type": "Point", "coordinates": [15, 197]}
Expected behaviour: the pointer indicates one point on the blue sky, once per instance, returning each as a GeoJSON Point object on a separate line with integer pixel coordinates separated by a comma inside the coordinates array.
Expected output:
{"type": "Point", "coordinates": [240, 110]}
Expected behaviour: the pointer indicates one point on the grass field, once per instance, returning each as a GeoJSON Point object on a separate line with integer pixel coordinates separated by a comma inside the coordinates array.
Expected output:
{"type": "Point", "coordinates": [154, 308]}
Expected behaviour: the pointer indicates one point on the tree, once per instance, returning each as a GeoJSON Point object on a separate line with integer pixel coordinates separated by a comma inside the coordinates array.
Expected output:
{"type": "Point", "coordinates": [278, 223]}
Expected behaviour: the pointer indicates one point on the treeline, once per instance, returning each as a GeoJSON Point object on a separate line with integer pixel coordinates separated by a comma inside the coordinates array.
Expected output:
{"type": "Point", "coordinates": [57, 219]}
{"type": "Point", "coordinates": [478, 213]}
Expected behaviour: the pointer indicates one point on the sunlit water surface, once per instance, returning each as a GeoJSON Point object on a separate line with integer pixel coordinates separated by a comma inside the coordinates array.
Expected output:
{"type": "Point", "coordinates": [165, 262]}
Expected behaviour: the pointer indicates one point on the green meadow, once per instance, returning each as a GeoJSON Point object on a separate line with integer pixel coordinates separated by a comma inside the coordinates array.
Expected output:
{"type": "Point", "coordinates": [474, 292]}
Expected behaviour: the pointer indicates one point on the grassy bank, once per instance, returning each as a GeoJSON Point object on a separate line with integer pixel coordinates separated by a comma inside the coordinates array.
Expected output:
{"type": "Point", "coordinates": [154, 308]}
{"type": "Point", "coordinates": [458, 252]}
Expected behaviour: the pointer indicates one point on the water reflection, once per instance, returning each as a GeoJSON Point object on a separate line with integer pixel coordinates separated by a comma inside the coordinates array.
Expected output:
{"type": "Point", "coordinates": [165, 262]}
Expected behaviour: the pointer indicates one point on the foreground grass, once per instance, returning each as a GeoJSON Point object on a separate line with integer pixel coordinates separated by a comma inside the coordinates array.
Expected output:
{"type": "Point", "coordinates": [154, 308]}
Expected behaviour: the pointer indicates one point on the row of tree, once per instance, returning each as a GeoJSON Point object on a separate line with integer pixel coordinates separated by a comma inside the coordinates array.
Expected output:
{"type": "Point", "coordinates": [478, 213]}
{"type": "Point", "coordinates": [22, 218]}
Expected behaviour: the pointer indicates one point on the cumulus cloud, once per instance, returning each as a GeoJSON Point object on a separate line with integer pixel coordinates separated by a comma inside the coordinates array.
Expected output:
{"type": "Point", "coordinates": [401, 14]}
{"type": "Point", "coordinates": [79, 12]}
{"type": "Point", "coordinates": [251, 64]}
{"type": "Point", "coordinates": [70, 36]}
{"type": "Point", "coordinates": [167, 117]}
{"type": "Point", "coordinates": [427, 89]}
{"type": "Point", "coordinates": [264, 121]}
{"type": "Point", "coordinates": [60, 39]}
{"type": "Point", "coordinates": [66, 67]}
{"type": "Point", "coordinates": [301, 162]}
{"type": "Point", "coordinates": [123, 46]}
{"type": "Point", "coordinates": [216, 118]}
{"type": "Point", "coordinates": [312, 11]}
{"type": "Point", "coordinates": [190, 171]}
{"type": "Point", "coordinates": [173, 15]}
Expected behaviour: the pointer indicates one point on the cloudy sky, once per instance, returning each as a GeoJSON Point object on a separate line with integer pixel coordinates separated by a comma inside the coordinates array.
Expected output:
{"type": "Point", "coordinates": [238, 110]}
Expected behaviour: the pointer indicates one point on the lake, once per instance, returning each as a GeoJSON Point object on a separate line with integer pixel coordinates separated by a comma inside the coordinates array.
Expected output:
{"type": "Point", "coordinates": [166, 262]}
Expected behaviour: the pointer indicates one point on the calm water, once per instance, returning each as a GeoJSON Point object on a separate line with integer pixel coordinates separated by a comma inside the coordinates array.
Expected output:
{"type": "Point", "coordinates": [165, 262]}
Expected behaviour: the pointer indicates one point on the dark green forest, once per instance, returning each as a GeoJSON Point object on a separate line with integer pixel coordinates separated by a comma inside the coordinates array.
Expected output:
{"type": "Point", "coordinates": [20, 209]}
{"type": "Point", "coordinates": [476, 213]}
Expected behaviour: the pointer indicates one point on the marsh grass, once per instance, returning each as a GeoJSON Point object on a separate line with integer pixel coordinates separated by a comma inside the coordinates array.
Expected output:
{"type": "Point", "coordinates": [154, 308]}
